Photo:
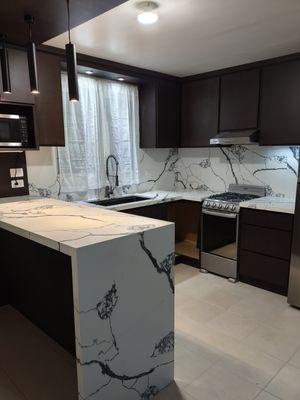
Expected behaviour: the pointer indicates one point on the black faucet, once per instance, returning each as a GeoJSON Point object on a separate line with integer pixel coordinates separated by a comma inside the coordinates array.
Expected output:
{"type": "Point", "coordinates": [109, 190]}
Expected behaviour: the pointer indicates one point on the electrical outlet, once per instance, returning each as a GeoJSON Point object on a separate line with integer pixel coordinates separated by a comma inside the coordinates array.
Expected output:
{"type": "Point", "coordinates": [16, 172]}
{"type": "Point", "coordinates": [17, 183]}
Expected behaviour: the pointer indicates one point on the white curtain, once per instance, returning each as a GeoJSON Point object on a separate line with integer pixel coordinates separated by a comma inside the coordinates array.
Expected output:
{"type": "Point", "coordinates": [105, 121]}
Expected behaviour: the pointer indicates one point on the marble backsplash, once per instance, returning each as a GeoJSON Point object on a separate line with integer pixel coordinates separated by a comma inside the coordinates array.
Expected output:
{"type": "Point", "coordinates": [211, 169]}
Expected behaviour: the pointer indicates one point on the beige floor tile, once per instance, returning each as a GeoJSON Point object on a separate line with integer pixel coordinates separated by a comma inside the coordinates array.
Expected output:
{"type": "Point", "coordinates": [7, 389]}
{"type": "Point", "coordinates": [184, 273]}
{"type": "Point", "coordinates": [234, 325]}
{"type": "Point", "coordinates": [273, 342]}
{"type": "Point", "coordinates": [288, 322]}
{"type": "Point", "coordinates": [173, 392]}
{"type": "Point", "coordinates": [259, 375]}
{"type": "Point", "coordinates": [200, 311]}
{"type": "Point", "coordinates": [224, 297]}
{"type": "Point", "coordinates": [286, 384]}
{"type": "Point", "coordinates": [263, 310]}
{"type": "Point", "coordinates": [295, 360]}
{"type": "Point", "coordinates": [190, 364]}
{"type": "Point", "coordinates": [36, 368]}
{"type": "Point", "coordinates": [265, 396]}
{"type": "Point", "coordinates": [249, 357]}
{"type": "Point", "coordinates": [218, 383]}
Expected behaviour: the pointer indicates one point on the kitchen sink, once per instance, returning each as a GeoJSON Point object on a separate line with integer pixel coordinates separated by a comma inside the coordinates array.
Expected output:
{"type": "Point", "coordinates": [117, 200]}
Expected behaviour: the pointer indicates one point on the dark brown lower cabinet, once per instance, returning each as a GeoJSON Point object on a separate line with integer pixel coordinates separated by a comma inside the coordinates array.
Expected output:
{"type": "Point", "coordinates": [264, 249]}
{"type": "Point", "coordinates": [186, 216]}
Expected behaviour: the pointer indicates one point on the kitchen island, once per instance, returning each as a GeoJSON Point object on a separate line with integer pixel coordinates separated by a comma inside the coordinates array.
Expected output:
{"type": "Point", "coordinates": [122, 291]}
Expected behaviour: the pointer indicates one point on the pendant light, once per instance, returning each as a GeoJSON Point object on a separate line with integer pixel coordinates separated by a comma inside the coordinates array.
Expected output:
{"type": "Point", "coordinates": [6, 86]}
{"type": "Point", "coordinates": [31, 57]}
{"type": "Point", "coordinates": [71, 64]}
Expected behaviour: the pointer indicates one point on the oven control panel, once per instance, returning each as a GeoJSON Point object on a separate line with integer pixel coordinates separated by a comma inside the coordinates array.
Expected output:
{"type": "Point", "coordinates": [224, 206]}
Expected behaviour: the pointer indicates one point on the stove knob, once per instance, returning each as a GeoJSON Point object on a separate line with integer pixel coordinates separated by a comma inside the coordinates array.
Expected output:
{"type": "Point", "coordinates": [233, 207]}
{"type": "Point", "coordinates": [213, 205]}
{"type": "Point", "coordinates": [226, 206]}
{"type": "Point", "coordinates": [220, 205]}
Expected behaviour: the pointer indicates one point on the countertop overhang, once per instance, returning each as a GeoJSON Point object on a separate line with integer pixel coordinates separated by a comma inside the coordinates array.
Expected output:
{"type": "Point", "coordinates": [67, 226]}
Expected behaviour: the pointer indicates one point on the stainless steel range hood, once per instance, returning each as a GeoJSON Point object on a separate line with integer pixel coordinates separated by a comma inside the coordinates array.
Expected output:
{"type": "Point", "coordinates": [249, 136]}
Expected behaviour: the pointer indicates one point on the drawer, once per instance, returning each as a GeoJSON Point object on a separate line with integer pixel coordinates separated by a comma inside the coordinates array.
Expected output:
{"type": "Point", "coordinates": [274, 243]}
{"type": "Point", "coordinates": [267, 219]}
{"type": "Point", "coordinates": [263, 271]}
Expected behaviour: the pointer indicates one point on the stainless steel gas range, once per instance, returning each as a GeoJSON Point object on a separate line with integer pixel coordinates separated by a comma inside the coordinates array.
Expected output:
{"type": "Point", "coordinates": [219, 233]}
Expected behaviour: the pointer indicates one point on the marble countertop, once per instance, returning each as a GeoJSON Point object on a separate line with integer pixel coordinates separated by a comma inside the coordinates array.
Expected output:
{"type": "Point", "coordinates": [67, 226]}
{"type": "Point", "coordinates": [160, 196]}
{"type": "Point", "coordinates": [269, 203]}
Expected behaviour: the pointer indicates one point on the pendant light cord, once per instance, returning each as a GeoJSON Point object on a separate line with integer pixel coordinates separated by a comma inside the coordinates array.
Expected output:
{"type": "Point", "coordinates": [69, 24]}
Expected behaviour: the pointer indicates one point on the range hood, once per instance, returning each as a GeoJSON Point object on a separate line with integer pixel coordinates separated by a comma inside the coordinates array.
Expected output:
{"type": "Point", "coordinates": [247, 136]}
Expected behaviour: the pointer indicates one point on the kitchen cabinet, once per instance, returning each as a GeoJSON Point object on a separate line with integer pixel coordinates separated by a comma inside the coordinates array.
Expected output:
{"type": "Point", "coordinates": [160, 103]}
{"type": "Point", "coordinates": [239, 100]}
{"type": "Point", "coordinates": [49, 108]}
{"type": "Point", "coordinates": [279, 107]}
{"type": "Point", "coordinates": [31, 282]}
{"type": "Point", "coordinates": [19, 77]}
{"type": "Point", "coordinates": [264, 249]}
{"type": "Point", "coordinates": [156, 211]}
{"type": "Point", "coordinates": [200, 111]}
{"type": "Point", "coordinates": [186, 216]}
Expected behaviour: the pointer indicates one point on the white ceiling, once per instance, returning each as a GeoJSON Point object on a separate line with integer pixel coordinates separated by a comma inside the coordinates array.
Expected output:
{"type": "Point", "coordinates": [192, 36]}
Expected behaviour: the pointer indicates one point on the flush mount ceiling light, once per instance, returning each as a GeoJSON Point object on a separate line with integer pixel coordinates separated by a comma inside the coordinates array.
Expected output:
{"type": "Point", "coordinates": [121, 79]}
{"type": "Point", "coordinates": [148, 16]}
{"type": "Point", "coordinates": [31, 57]}
{"type": "Point", "coordinates": [6, 86]}
{"type": "Point", "coordinates": [71, 64]}
{"type": "Point", "coordinates": [89, 72]}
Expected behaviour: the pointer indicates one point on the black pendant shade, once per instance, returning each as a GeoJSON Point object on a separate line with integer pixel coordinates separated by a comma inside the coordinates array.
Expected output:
{"type": "Point", "coordinates": [71, 64]}
{"type": "Point", "coordinates": [6, 86]}
{"type": "Point", "coordinates": [31, 57]}
{"type": "Point", "coordinates": [72, 72]}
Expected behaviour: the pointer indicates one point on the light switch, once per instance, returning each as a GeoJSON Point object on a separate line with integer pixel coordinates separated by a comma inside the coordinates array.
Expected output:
{"type": "Point", "coordinates": [17, 183]}
{"type": "Point", "coordinates": [16, 172]}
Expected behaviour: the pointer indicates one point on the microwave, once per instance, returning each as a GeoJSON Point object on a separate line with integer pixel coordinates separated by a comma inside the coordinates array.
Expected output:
{"type": "Point", "coordinates": [14, 130]}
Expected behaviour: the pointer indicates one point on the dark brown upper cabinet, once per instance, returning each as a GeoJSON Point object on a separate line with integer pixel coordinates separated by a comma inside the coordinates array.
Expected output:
{"type": "Point", "coordinates": [19, 77]}
{"type": "Point", "coordinates": [280, 104]}
{"type": "Point", "coordinates": [239, 100]}
{"type": "Point", "coordinates": [159, 114]}
{"type": "Point", "coordinates": [200, 110]}
{"type": "Point", "coordinates": [49, 108]}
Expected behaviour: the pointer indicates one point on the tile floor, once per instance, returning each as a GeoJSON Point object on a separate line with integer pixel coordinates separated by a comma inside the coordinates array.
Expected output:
{"type": "Point", "coordinates": [233, 342]}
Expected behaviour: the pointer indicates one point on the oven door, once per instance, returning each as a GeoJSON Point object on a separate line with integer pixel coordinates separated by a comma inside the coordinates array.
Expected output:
{"type": "Point", "coordinates": [10, 132]}
{"type": "Point", "coordinates": [219, 243]}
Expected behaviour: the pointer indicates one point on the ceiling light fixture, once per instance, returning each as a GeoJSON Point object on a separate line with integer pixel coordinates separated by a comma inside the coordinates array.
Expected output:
{"type": "Point", "coordinates": [121, 79]}
{"type": "Point", "coordinates": [71, 64]}
{"type": "Point", "coordinates": [31, 57]}
{"type": "Point", "coordinates": [89, 72]}
{"type": "Point", "coordinates": [6, 86]}
{"type": "Point", "coordinates": [147, 16]}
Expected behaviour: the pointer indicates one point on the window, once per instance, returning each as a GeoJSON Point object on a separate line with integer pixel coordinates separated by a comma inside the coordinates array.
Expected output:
{"type": "Point", "coordinates": [105, 121]}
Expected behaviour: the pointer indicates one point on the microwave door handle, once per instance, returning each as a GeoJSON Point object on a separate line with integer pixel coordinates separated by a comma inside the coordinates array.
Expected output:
{"type": "Point", "coordinates": [220, 214]}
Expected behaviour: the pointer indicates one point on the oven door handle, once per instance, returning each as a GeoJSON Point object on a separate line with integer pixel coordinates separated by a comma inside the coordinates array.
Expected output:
{"type": "Point", "coordinates": [220, 214]}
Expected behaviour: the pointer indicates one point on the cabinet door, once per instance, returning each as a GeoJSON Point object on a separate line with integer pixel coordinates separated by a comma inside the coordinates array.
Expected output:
{"type": "Point", "coordinates": [19, 77]}
{"type": "Point", "coordinates": [49, 109]}
{"type": "Point", "coordinates": [168, 114]}
{"type": "Point", "coordinates": [279, 107]}
{"type": "Point", "coordinates": [239, 100]}
{"type": "Point", "coordinates": [159, 114]}
{"type": "Point", "coordinates": [148, 115]}
{"type": "Point", "coordinates": [200, 109]}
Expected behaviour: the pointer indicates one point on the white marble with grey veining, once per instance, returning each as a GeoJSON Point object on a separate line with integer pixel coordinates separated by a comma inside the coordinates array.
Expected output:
{"type": "Point", "coordinates": [269, 203]}
{"type": "Point", "coordinates": [123, 292]}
